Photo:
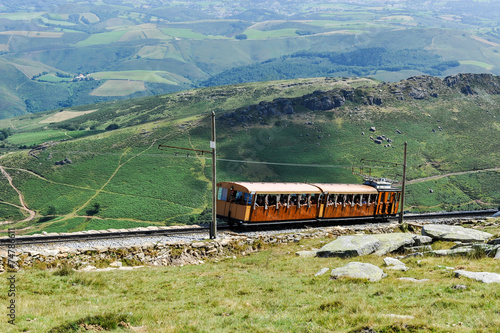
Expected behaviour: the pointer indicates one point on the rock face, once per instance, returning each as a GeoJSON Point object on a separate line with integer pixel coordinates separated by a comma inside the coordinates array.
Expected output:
{"type": "Point", "coordinates": [454, 233]}
{"type": "Point", "coordinates": [350, 246]}
{"type": "Point", "coordinates": [480, 276]}
{"type": "Point", "coordinates": [359, 270]}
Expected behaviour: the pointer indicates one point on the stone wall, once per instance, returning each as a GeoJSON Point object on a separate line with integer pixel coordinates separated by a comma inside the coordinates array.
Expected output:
{"type": "Point", "coordinates": [167, 253]}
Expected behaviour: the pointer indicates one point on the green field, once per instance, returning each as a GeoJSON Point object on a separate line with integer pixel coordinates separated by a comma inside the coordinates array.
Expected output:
{"type": "Point", "coordinates": [146, 76]}
{"type": "Point", "coordinates": [118, 88]}
{"type": "Point", "coordinates": [101, 38]}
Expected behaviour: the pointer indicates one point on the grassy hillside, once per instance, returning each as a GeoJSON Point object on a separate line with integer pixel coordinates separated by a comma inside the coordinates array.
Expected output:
{"type": "Point", "coordinates": [308, 130]}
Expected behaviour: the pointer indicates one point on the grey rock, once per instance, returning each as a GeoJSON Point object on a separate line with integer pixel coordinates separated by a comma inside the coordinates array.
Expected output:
{"type": "Point", "coordinates": [494, 241]}
{"type": "Point", "coordinates": [497, 256]}
{"type": "Point", "coordinates": [422, 248]}
{"type": "Point", "coordinates": [393, 242]}
{"type": "Point", "coordinates": [422, 240]}
{"type": "Point", "coordinates": [393, 262]}
{"type": "Point", "coordinates": [458, 251]}
{"type": "Point", "coordinates": [322, 271]}
{"type": "Point", "coordinates": [479, 276]}
{"type": "Point", "coordinates": [454, 233]}
{"type": "Point", "coordinates": [401, 268]}
{"type": "Point", "coordinates": [350, 246]}
{"type": "Point", "coordinates": [410, 279]}
{"type": "Point", "coordinates": [392, 315]}
{"type": "Point", "coordinates": [459, 287]}
{"type": "Point", "coordinates": [360, 271]}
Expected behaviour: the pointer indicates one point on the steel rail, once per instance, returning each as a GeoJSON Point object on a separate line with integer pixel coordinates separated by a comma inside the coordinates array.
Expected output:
{"type": "Point", "coordinates": [77, 237]}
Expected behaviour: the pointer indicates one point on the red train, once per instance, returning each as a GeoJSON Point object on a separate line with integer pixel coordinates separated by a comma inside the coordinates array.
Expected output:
{"type": "Point", "coordinates": [247, 203]}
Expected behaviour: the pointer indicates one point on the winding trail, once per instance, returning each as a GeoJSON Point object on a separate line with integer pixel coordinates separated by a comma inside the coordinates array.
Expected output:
{"type": "Point", "coordinates": [21, 198]}
{"type": "Point", "coordinates": [421, 180]}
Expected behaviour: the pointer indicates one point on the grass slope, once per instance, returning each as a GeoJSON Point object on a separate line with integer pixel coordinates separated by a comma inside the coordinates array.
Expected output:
{"type": "Point", "coordinates": [131, 181]}
{"type": "Point", "coordinates": [270, 291]}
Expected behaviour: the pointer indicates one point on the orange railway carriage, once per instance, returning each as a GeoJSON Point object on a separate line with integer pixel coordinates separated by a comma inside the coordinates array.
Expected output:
{"type": "Point", "coordinates": [246, 202]}
{"type": "Point", "coordinates": [348, 200]}
{"type": "Point", "coordinates": [265, 202]}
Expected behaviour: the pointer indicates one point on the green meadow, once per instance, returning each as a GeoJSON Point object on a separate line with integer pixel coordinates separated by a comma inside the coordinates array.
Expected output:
{"type": "Point", "coordinates": [270, 291]}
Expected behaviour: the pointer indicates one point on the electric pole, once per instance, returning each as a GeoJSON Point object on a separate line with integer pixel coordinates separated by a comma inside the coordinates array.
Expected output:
{"type": "Point", "coordinates": [213, 226]}
{"type": "Point", "coordinates": [402, 201]}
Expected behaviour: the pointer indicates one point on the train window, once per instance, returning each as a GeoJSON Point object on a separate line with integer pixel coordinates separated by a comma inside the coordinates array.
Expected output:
{"type": "Point", "coordinates": [283, 200]}
{"type": "Point", "coordinates": [339, 199]}
{"type": "Point", "coordinates": [349, 200]}
{"type": "Point", "coordinates": [238, 197]}
{"type": "Point", "coordinates": [222, 195]}
{"type": "Point", "coordinates": [293, 200]}
{"type": "Point", "coordinates": [398, 196]}
{"type": "Point", "coordinates": [260, 200]}
{"type": "Point", "coordinates": [247, 198]}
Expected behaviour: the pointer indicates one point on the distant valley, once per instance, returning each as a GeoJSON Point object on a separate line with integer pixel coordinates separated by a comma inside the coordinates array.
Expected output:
{"type": "Point", "coordinates": [56, 55]}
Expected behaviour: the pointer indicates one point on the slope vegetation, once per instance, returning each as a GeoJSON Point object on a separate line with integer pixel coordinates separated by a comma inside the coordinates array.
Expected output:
{"type": "Point", "coordinates": [103, 169]}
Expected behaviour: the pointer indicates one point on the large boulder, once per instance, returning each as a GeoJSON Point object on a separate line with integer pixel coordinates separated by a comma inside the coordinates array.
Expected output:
{"type": "Point", "coordinates": [392, 242]}
{"type": "Point", "coordinates": [479, 276]}
{"type": "Point", "coordinates": [454, 233]}
{"type": "Point", "coordinates": [359, 270]}
{"type": "Point", "coordinates": [350, 246]}
{"type": "Point", "coordinates": [358, 245]}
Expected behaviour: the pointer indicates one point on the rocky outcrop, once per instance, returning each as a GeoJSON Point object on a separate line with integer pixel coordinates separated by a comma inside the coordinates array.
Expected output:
{"type": "Point", "coordinates": [454, 233]}
{"type": "Point", "coordinates": [359, 270]}
{"type": "Point", "coordinates": [358, 245]}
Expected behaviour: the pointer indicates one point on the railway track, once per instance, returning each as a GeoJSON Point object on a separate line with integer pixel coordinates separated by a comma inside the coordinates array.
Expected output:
{"type": "Point", "coordinates": [145, 232]}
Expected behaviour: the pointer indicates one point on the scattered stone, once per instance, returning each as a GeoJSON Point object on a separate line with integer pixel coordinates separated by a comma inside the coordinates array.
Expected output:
{"type": "Point", "coordinates": [410, 279]}
{"type": "Point", "coordinates": [398, 316]}
{"type": "Point", "coordinates": [497, 256]}
{"type": "Point", "coordinates": [87, 268]}
{"type": "Point", "coordinates": [459, 287]}
{"type": "Point", "coordinates": [322, 271]}
{"type": "Point", "coordinates": [450, 252]}
{"type": "Point", "coordinates": [479, 276]}
{"type": "Point", "coordinates": [454, 233]}
{"type": "Point", "coordinates": [422, 248]}
{"type": "Point", "coordinates": [116, 264]}
{"type": "Point", "coordinates": [401, 268]}
{"type": "Point", "coordinates": [372, 129]}
{"type": "Point", "coordinates": [393, 262]}
{"type": "Point", "coordinates": [359, 270]}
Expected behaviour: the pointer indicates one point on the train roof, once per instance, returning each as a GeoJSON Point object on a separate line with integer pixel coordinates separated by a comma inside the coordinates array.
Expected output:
{"type": "Point", "coordinates": [297, 188]}
{"type": "Point", "coordinates": [271, 188]}
{"type": "Point", "coordinates": [346, 188]}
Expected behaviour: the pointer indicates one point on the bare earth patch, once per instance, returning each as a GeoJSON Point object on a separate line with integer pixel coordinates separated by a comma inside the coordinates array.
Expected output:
{"type": "Point", "coordinates": [64, 115]}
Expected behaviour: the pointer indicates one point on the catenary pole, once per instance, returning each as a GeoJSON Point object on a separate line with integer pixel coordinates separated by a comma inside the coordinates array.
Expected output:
{"type": "Point", "coordinates": [402, 202]}
{"type": "Point", "coordinates": [213, 226]}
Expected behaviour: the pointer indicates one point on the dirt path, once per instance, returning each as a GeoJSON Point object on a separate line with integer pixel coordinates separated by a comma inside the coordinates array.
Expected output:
{"type": "Point", "coordinates": [421, 180]}
{"type": "Point", "coordinates": [21, 198]}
